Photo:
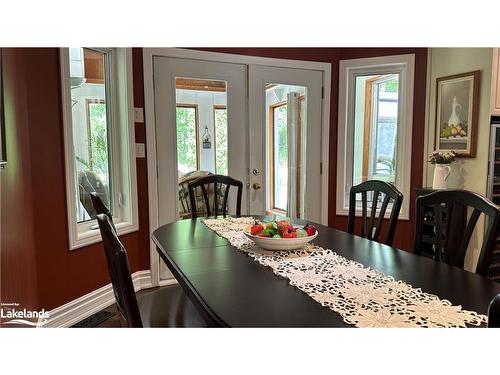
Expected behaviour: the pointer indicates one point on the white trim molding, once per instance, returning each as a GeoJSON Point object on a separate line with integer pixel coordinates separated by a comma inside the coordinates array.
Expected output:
{"type": "Point", "coordinates": [150, 53]}
{"type": "Point", "coordinates": [84, 306]}
{"type": "Point", "coordinates": [404, 65]}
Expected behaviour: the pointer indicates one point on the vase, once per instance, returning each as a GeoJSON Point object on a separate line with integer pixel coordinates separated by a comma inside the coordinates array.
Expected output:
{"type": "Point", "coordinates": [454, 120]}
{"type": "Point", "coordinates": [441, 173]}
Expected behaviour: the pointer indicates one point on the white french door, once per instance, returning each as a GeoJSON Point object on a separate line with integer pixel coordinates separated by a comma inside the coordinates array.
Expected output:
{"type": "Point", "coordinates": [273, 118]}
{"type": "Point", "coordinates": [285, 124]}
{"type": "Point", "coordinates": [199, 81]}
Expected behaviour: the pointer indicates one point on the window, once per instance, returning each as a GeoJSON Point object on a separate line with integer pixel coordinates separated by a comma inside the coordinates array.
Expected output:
{"type": "Point", "coordinates": [279, 156]}
{"type": "Point", "coordinates": [99, 139]}
{"type": "Point", "coordinates": [379, 127]}
{"type": "Point", "coordinates": [375, 125]}
{"type": "Point", "coordinates": [220, 122]}
{"type": "Point", "coordinates": [187, 138]}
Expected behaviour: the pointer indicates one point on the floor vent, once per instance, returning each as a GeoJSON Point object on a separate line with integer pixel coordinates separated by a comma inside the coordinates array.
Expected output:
{"type": "Point", "coordinates": [94, 320]}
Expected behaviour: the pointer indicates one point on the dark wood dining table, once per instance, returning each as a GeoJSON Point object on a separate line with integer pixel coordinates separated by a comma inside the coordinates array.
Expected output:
{"type": "Point", "coordinates": [232, 290]}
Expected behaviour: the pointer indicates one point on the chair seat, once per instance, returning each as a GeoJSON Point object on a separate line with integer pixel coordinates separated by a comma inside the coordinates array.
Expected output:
{"type": "Point", "coordinates": [168, 307]}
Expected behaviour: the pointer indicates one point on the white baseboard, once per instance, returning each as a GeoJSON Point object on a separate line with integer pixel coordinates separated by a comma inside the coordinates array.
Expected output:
{"type": "Point", "coordinates": [84, 306]}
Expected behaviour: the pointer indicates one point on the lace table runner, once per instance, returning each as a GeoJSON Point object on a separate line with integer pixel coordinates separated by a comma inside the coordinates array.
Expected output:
{"type": "Point", "coordinates": [362, 296]}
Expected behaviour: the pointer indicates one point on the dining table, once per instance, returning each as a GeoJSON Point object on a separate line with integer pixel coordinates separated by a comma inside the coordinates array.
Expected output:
{"type": "Point", "coordinates": [233, 290]}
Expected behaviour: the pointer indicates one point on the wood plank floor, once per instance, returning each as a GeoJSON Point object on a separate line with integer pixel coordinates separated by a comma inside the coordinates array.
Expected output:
{"type": "Point", "coordinates": [114, 320]}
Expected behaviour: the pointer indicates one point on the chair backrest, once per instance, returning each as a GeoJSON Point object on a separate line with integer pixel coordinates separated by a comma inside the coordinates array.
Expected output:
{"type": "Point", "coordinates": [453, 227]}
{"type": "Point", "coordinates": [221, 185]}
{"type": "Point", "coordinates": [494, 313]}
{"type": "Point", "coordinates": [383, 193]}
{"type": "Point", "coordinates": [99, 206]}
{"type": "Point", "coordinates": [119, 272]}
{"type": "Point", "coordinates": [184, 202]}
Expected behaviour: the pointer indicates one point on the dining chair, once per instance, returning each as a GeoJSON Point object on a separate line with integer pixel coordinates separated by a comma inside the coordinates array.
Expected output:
{"type": "Point", "coordinates": [159, 307]}
{"type": "Point", "coordinates": [383, 193]}
{"type": "Point", "coordinates": [221, 186]}
{"type": "Point", "coordinates": [494, 313]}
{"type": "Point", "coordinates": [99, 206]}
{"type": "Point", "coordinates": [453, 226]}
{"type": "Point", "coordinates": [184, 202]}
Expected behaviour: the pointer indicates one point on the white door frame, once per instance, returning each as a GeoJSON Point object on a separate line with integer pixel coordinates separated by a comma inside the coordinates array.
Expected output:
{"type": "Point", "coordinates": [149, 110]}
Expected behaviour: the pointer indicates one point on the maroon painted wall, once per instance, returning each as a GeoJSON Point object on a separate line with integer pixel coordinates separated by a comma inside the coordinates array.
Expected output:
{"type": "Point", "coordinates": [36, 260]}
{"type": "Point", "coordinates": [18, 262]}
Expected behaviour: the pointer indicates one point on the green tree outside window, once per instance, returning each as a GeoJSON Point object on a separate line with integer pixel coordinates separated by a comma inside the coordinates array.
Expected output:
{"type": "Point", "coordinates": [220, 118]}
{"type": "Point", "coordinates": [99, 154]}
{"type": "Point", "coordinates": [186, 139]}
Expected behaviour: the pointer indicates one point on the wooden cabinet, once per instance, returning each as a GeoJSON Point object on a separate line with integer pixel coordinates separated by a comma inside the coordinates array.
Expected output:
{"type": "Point", "coordinates": [495, 83]}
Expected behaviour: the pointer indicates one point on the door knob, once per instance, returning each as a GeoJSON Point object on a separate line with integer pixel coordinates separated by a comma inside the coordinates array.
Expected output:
{"type": "Point", "coordinates": [256, 186]}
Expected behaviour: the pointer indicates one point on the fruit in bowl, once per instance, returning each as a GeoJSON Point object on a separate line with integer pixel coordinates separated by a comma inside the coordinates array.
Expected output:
{"type": "Point", "coordinates": [281, 235]}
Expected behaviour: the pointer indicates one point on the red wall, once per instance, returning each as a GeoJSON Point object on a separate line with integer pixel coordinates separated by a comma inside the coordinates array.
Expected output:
{"type": "Point", "coordinates": [37, 267]}
{"type": "Point", "coordinates": [18, 262]}
{"type": "Point", "coordinates": [36, 260]}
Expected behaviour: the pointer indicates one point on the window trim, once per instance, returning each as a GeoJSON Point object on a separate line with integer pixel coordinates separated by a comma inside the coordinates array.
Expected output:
{"type": "Point", "coordinates": [217, 107]}
{"type": "Point", "coordinates": [196, 128]}
{"type": "Point", "coordinates": [272, 206]}
{"type": "Point", "coordinates": [122, 151]}
{"type": "Point", "coordinates": [348, 71]}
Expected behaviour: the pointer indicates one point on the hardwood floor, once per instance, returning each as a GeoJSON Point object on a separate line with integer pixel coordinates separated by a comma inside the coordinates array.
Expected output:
{"type": "Point", "coordinates": [114, 320]}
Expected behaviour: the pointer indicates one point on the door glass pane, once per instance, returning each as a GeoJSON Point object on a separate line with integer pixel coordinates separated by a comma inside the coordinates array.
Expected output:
{"type": "Point", "coordinates": [285, 151]}
{"type": "Point", "coordinates": [90, 125]}
{"type": "Point", "coordinates": [187, 142]}
{"type": "Point", "coordinates": [280, 151]}
{"type": "Point", "coordinates": [201, 124]}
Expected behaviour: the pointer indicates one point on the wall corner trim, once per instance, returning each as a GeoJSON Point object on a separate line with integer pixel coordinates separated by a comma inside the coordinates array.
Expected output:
{"type": "Point", "coordinates": [88, 304]}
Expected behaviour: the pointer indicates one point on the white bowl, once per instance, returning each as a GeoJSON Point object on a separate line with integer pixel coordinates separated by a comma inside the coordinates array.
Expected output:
{"type": "Point", "coordinates": [281, 244]}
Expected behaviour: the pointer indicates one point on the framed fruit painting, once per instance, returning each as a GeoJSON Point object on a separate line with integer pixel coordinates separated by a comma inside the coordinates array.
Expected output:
{"type": "Point", "coordinates": [457, 107]}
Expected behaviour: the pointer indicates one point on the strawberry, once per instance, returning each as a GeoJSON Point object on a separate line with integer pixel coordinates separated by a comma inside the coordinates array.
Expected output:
{"type": "Point", "coordinates": [256, 228]}
{"type": "Point", "coordinates": [263, 235]}
{"type": "Point", "coordinates": [290, 234]}
{"type": "Point", "coordinates": [283, 226]}
{"type": "Point", "coordinates": [311, 231]}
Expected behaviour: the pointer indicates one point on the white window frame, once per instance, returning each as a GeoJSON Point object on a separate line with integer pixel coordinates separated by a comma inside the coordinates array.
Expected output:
{"type": "Point", "coordinates": [119, 79]}
{"type": "Point", "coordinates": [404, 65]}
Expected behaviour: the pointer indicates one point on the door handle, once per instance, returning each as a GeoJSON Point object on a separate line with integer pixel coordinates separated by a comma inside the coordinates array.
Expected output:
{"type": "Point", "coordinates": [256, 186]}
